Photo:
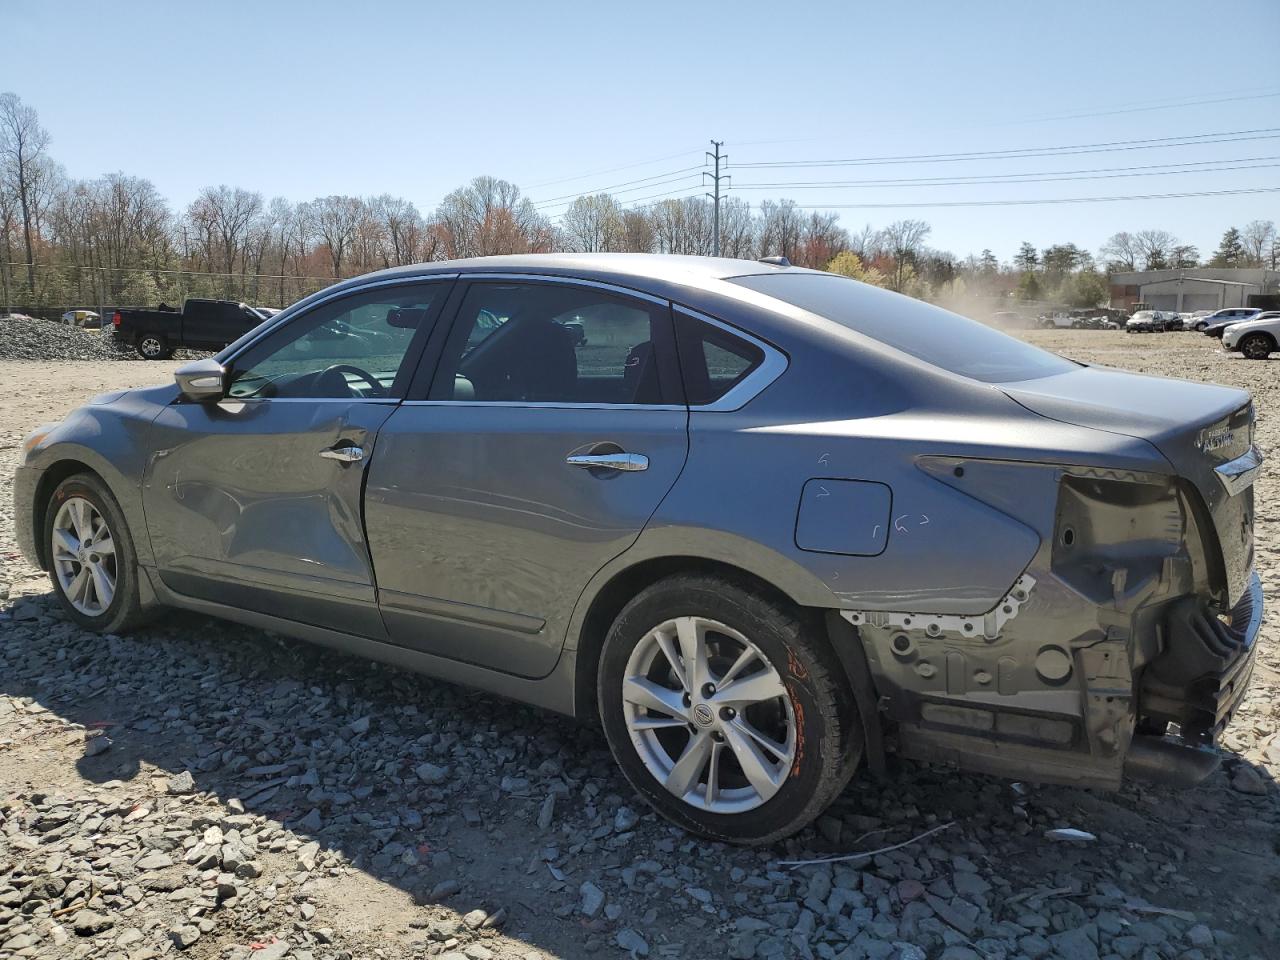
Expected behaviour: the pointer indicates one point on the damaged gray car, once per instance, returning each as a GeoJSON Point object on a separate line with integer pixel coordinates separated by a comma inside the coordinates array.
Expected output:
{"type": "Point", "coordinates": [765, 523]}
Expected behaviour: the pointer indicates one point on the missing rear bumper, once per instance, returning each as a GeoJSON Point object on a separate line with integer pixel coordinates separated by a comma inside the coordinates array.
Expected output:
{"type": "Point", "coordinates": [1203, 672]}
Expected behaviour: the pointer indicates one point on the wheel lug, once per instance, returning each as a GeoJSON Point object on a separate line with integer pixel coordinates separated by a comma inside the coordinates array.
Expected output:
{"type": "Point", "coordinates": [687, 700]}
{"type": "Point", "coordinates": [708, 690]}
{"type": "Point", "coordinates": [717, 736]}
{"type": "Point", "coordinates": [727, 713]}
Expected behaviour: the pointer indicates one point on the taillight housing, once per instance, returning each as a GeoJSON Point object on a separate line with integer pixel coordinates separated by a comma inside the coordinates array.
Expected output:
{"type": "Point", "coordinates": [115, 319]}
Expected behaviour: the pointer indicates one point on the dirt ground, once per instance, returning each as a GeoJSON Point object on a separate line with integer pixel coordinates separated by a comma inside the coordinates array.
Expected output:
{"type": "Point", "coordinates": [259, 798]}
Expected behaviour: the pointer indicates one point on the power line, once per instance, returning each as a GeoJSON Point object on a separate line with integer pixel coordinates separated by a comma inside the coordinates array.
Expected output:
{"type": "Point", "coordinates": [1176, 104]}
{"type": "Point", "coordinates": [647, 186]}
{"type": "Point", "coordinates": [1051, 176]}
{"type": "Point", "coordinates": [1014, 203]}
{"type": "Point", "coordinates": [570, 197]}
{"type": "Point", "coordinates": [597, 173]}
{"type": "Point", "coordinates": [1188, 140]}
{"type": "Point", "coordinates": [634, 204]}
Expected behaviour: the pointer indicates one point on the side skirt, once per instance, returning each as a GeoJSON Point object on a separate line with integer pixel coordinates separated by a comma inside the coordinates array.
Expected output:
{"type": "Point", "coordinates": [552, 692]}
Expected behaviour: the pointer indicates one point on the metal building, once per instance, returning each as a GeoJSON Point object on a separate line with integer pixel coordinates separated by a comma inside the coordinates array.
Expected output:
{"type": "Point", "coordinates": [1193, 288]}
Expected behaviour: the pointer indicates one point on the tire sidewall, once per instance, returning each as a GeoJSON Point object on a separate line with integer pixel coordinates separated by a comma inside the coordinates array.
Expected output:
{"type": "Point", "coordinates": [158, 354]}
{"type": "Point", "coordinates": [819, 750]}
{"type": "Point", "coordinates": [125, 601]}
{"type": "Point", "coordinates": [1255, 338]}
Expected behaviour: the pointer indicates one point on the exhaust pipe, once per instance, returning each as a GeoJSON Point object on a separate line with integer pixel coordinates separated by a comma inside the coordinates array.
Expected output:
{"type": "Point", "coordinates": [1167, 762]}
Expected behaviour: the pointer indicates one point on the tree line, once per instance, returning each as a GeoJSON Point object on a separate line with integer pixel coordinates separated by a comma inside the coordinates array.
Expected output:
{"type": "Point", "coordinates": [116, 240]}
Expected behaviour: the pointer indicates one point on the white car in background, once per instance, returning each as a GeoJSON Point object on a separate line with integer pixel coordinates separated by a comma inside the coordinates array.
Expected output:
{"type": "Point", "coordinates": [1257, 338]}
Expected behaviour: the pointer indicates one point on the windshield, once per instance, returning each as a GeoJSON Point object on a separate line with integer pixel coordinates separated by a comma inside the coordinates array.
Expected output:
{"type": "Point", "coordinates": [936, 336]}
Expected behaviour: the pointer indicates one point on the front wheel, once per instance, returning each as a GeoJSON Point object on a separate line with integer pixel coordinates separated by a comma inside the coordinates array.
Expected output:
{"type": "Point", "coordinates": [1256, 346]}
{"type": "Point", "coordinates": [152, 347]}
{"type": "Point", "coordinates": [729, 713]}
{"type": "Point", "coordinates": [92, 562]}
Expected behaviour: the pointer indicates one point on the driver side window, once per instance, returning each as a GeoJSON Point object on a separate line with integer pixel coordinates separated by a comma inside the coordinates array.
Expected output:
{"type": "Point", "coordinates": [354, 347]}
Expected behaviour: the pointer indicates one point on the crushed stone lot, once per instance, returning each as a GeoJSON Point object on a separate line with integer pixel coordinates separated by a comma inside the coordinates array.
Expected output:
{"type": "Point", "coordinates": [205, 790]}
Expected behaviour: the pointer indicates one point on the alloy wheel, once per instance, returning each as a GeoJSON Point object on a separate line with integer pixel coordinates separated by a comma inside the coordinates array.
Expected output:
{"type": "Point", "coordinates": [84, 556]}
{"type": "Point", "coordinates": [151, 347]}
{"type": "Point", "coordinates": [1255, 348]}
{"type": "Point", "coordinates": [709, 715]}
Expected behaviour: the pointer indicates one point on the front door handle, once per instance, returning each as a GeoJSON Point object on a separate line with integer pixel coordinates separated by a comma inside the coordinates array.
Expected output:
{"type": "Point", "coordinates": [348, 454]}
{"type": "Point", "coordinates": [626, 462]}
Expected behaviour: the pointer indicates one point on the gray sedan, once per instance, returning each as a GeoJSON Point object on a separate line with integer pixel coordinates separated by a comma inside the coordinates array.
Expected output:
{"type": "Point", "coordinates": [766, 523]}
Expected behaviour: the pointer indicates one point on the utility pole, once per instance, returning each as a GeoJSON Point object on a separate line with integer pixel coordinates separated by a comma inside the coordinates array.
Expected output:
{"type": "Point", "coordinates": [716, 177]}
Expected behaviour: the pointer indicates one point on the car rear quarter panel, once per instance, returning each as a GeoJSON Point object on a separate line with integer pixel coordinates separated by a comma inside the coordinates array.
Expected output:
{"type": "Point", "coordinates": [849, 408]}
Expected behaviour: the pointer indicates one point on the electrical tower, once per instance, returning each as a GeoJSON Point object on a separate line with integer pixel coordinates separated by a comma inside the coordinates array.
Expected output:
{"type": "Point", "coordinates": [716, 177]}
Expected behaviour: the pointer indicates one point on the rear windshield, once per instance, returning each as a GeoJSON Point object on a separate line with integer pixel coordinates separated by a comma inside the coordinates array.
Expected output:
{"type": "Point", "coordinates": [929, 333]}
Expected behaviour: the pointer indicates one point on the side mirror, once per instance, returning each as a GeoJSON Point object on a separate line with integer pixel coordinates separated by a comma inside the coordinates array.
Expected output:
{"type": "Point", "coordinates": [202, 380]}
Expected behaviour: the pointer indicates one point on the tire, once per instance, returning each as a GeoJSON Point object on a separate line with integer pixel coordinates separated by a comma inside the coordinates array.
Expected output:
{"type": "Point", "coordinates": [1256, 346]}
{"type": "Point", "coordinates": [153, 347]}
{"type": "Point", "coordinates": [123, 611]}
{"type": "Point", "coordinates": [813, 716]}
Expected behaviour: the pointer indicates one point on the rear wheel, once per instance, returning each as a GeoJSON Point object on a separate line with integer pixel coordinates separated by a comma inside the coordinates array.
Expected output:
{"type": "Point", "coordinates": [92, 562]}
{"type": "Point", "coordinates": [1256, 346]}
{"type": "Point", "coordinates": [153, 347]}
{"type": "Point", "coordinates": [725, 710]}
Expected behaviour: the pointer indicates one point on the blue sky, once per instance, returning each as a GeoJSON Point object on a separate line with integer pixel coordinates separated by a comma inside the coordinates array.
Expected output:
{"type": "Point", "coordinates": [305, 99]}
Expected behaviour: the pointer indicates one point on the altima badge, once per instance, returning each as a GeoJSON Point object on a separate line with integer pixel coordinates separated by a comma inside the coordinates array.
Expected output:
{"type": "Point", "coordinates": [1211, 439]}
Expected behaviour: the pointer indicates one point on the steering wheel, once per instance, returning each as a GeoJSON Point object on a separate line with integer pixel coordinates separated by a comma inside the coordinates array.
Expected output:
{"type": "Point", "coordinates": [376, 389]}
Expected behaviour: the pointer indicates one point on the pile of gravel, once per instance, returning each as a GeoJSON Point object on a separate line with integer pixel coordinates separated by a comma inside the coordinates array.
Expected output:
{"type": "Point", "coordinates": [30, 338]}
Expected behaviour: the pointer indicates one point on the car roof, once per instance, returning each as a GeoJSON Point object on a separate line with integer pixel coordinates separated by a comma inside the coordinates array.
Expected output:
{"type": "Point", "coordinates": [674, 268]}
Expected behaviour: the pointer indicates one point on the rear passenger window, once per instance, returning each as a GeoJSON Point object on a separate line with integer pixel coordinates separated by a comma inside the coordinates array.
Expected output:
{"type": "Point", "coordinates": [712, 360]}
{"type": "Point", "coordinates": [553, 343]}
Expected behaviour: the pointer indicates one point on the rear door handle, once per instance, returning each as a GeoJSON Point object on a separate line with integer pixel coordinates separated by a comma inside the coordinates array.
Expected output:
{"type": "Point", "coordinates": [626, 462]}
{"type": "Point", "coordinates": [347, 454]}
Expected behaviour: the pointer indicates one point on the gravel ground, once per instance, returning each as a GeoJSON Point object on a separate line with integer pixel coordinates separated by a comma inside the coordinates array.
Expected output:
{"type": "Point", "coordinates": [204, 789]}
{"type": "Point", "coordinates": [30, 338]}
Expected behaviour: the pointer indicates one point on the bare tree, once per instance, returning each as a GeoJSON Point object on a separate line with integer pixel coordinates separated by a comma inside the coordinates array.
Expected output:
{"type": "Point", "coordinates": [223, 216]}
{"type": "Point", "coordinates": [683, 225]}
{"type": "Point", "coordinates": [1121, 252]}
{"type": "Point", "coordinates": [737, 228]}
{"type": "Point", "coordinates": [822, 239]}
{"type": "Point", "coordinates": [1257, 237]}
{"type": "Point", "coordinates": [637, 232]}
{"type": "Point", "coordinates": [781, 227]}
{"type": "Point", "coordinates": [488, 217]}
{"type": "Point", "coordinates": [903, 240]}
{"type": "Point", "coordinates": [334, 219]}
{"type": "Point", "coordinates": [865, 243]}
{"type": "Point", "coordinates": [593, 224]}
{"type": "Point", "coordinates": [402, 228]}
{"type": "Point", "coordinates": [1155, 248]}
{"type": "Point", "coordinates": [22, 145]}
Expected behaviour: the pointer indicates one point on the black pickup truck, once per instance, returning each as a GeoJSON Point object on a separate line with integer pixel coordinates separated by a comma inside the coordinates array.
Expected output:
{"type": "Point", "coordinates": [199, 325]}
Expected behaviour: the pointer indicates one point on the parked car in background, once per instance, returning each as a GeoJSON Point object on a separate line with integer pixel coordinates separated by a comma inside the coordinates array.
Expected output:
{"type": "Point", "coordinates": [1255, 338]}
{"type": "Point", "coordinates": [1148, 321]}
{"type": "Point", "coordinates": [1218, 321]}
{"type": "Point", "coordinates": [89, 319]}
{"type": "Point", "coordinates": [200, 325]}
{"type": "Point", "coordinates": [765, 523]}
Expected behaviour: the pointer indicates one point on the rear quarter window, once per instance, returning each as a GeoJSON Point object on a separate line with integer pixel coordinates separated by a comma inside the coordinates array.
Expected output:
{"type": "Point", "coordinates": [938, 337]}
{"type": "Point", "coordinates": [712, 361]}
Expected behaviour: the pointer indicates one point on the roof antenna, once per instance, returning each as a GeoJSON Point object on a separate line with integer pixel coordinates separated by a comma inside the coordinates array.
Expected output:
{"type": "Point", "coordinates": [776, 261]}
